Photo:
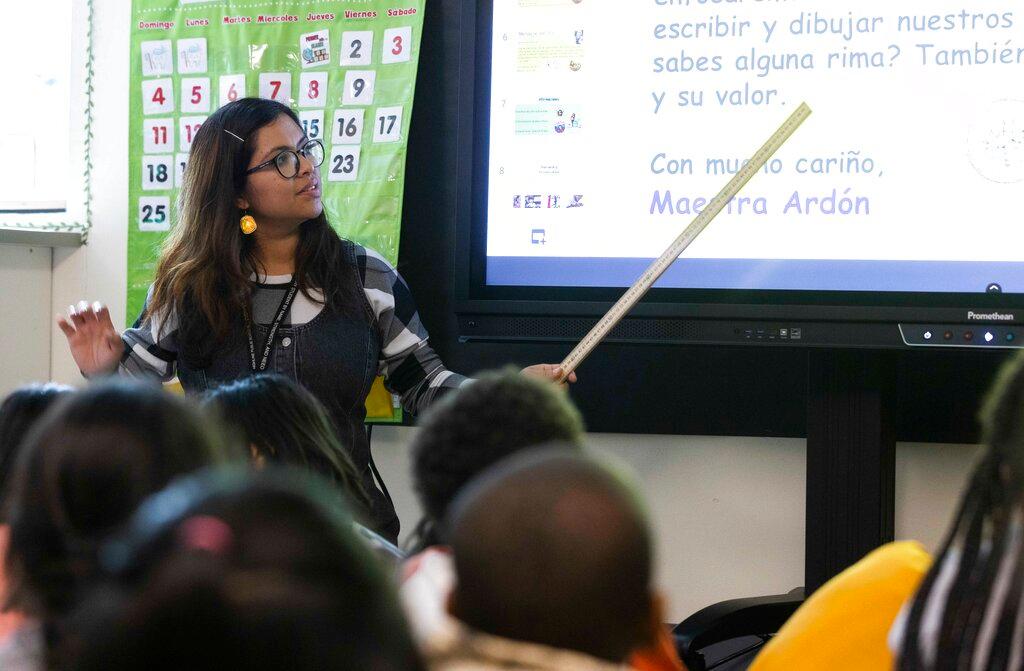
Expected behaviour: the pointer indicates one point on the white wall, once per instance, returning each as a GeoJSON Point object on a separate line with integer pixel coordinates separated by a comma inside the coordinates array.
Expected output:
{"type": "Point", "coordinates": [929, 479]}
{"type": "Point", "coordinates": [24, 310]}
{"type": "Point", "coordinates": [728, 511]}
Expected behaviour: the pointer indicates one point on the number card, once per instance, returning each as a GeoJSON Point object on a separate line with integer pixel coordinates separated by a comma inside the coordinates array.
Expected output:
{"type": "Point", "coordinates": [154, 213]}
{"type": "Point", "coordinates": [276, 86]}
{"type": "Point", "coordinates": [312, 89]}
{"type": "Point", "coordinates": [192, 56]}
{"type": "Point", "coordinates": [156, 58]}
{"type": "Point", "coordinates": [312, 123]}
{"type": "Point", "coordinates": [348, 126]}
{"type": "Point", "coordinates": [232, 87]}
{"type": "Point", "coordinates": [158, 136]}
{"type": "Point", "coordinates": [188, 126]}
{"type": "Point", "coordinates": [157, 173]}
{"type": "Point", "coordinates": [157, 96]}
{"type": "Point", "coordinates": [356, 47]}
{"type": "Point", "coordinates": [344, 164]}
{"type": "Point", "coordinates": [180, 162]}
{"type": "Point", "coordinates": [388, 126]}
{"type": "Point", "coordinates": [195, 94]}
{"type": "Point", "coordinates": [397, 45]}
{"type": "Point", "coordinates": [315, 48]}
{"type": "Point", "coordinates": [358, 87]}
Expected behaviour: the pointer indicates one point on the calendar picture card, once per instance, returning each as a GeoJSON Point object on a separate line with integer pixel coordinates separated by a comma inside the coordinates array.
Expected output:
{"type": "Point", "coordinates": [313, 89]}
{"type": "Point", "coordinates": [192, 56]}
{"type": "Point", "coordinates": [387, 126]}
{"type": "Point", "coordinates": [232, 87]}
{"type": "Point", "coordinates": [344, 164]}
{"type": "Point", "coordinates": [154, 213]}
{"type": "Point", "coordinates": [356, 47]}
{"type": "Point", "coordinates": [158, 136]}
{"type": "Point", "coordinates": [276, 86]}
{"type": "Point", "coordinates": [195, 94]}
{"type": "Point", "coordinates": [348, 126]}
{"type": "Point", "coordinates": [157, 58]}
{"type": "Point", "coordinates": [397, 45]}
{"type": "Point", "coordinates": [158, 96]}
{"type": "Point", "coordinates": [312, 124]}
{"type": "Point", "coordinates": [359, 87]}
{"type": "Point", "coordinates": [315, 48]}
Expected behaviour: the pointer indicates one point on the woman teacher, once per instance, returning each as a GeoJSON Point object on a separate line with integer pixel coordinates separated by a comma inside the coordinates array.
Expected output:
{"type": "Point", "coordinates": [254, 279]}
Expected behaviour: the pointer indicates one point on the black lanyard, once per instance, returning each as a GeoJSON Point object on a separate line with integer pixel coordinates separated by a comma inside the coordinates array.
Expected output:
{"type": "Point", "coordinates": [268, 346]}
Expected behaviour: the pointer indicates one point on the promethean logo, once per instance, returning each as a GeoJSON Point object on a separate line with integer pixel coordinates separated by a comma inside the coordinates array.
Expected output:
{"type": "Point", "coordinates": [990, 316]}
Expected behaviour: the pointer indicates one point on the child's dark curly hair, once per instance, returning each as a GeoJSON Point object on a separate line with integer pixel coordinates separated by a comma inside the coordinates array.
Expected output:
{"type": "Point", "coordinates": [490, 418]}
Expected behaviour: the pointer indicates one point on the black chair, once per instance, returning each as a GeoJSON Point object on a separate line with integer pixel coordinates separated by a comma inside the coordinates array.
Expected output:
{"type": "Point", "coordinates": [728, 634]}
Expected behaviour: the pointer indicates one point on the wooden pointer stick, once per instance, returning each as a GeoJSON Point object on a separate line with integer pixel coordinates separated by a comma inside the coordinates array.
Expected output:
{"type": "Point", "coordinates": [700, 222]}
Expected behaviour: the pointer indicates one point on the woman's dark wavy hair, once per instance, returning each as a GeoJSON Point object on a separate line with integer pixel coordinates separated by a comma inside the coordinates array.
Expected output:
{"type": "Point", "coordinates": [286, 424]}
{"type": "Point", "coordinates": [981, 558]}
{"type": "Point", "coordinates": [245, 570]}
{"type": "Point", "coordinates": [203, 275]}
{"type": "Point", "coordinates": [83, 470]}
{"type": "Point", "coordinates": [19, 412]}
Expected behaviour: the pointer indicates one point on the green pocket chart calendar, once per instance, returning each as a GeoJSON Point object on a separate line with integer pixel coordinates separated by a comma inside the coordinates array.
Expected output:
{"type": "Point", "coordinates": [347, 67]}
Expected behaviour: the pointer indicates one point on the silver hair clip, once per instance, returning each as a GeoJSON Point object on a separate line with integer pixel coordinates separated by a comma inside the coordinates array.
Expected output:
{"type": "Point", "coordinates": [233, 135]}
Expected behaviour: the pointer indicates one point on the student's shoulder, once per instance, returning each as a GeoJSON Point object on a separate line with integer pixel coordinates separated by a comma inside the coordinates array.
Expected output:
{"type": "Point", "coordinates": [899, 557]}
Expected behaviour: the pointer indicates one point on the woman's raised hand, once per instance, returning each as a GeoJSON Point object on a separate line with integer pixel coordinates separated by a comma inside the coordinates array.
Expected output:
{"type": "Point", "coordinates": [95, 344]}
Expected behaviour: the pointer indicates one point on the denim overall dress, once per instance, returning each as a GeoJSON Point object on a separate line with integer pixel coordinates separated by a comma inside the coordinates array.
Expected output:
{"type": "Point", "coordinates": [335, 356]}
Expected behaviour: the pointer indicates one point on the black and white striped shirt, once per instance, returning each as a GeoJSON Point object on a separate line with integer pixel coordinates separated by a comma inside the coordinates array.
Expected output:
{"type": "Point", "coordinates": [409, 365]}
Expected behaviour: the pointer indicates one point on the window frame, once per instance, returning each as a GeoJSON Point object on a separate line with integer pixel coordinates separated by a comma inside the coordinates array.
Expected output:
{"type": "Point", "coordinates": [70, 226]}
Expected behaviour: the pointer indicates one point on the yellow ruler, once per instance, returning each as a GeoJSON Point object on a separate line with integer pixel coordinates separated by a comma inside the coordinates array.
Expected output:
{"type": "Point", "coordinates": [700, 222]}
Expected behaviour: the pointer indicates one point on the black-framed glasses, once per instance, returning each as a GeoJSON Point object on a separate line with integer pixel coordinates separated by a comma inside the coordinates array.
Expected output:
{"type": "Point", "coordinates": [287, 162]}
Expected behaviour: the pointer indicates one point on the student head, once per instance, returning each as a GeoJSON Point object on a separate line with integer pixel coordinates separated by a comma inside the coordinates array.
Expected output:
{"type": "Point", "coordinates": [251, 157]}
{"type": "Point", "coordinates": [19, 412]}
{"type": "Point", "coordinates": [245, 570]}
{"type": "Point", "coordinates": [554, 548]}
{"type": "Point", "coordinates": [968, 606]}
{"type": "Point", "coordinates": [488, 419]}
{"type": "Point", "coordinates": [83, 470]}
{"type": "Point", "coordinates": [283, 423]}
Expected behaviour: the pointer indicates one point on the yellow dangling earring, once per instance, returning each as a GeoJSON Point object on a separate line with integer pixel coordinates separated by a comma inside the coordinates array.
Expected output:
{"type": "Point", "coordinates": [247, 224]}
